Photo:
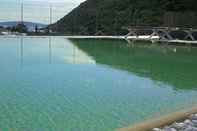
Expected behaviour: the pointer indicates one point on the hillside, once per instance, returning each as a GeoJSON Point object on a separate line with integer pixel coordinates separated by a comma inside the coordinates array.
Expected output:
{"type": "Point", "coordinates": [109, 16]}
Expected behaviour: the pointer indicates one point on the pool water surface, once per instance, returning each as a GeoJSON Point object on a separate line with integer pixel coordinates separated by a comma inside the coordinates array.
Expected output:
{"type": "Point", "coordinates": [55, 84]}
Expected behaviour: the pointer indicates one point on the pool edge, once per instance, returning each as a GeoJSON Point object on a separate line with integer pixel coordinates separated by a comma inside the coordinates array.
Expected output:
{"type": "Point", "coordinates": [162, 121]}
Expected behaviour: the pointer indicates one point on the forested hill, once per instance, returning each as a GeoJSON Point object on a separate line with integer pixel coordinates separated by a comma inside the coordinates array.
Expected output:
{"type": "Point", "coordinates": [109, 16]}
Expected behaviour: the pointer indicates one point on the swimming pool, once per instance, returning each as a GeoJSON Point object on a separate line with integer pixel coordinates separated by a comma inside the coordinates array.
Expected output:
{"type": "Point", "coordinates": [55, 84]}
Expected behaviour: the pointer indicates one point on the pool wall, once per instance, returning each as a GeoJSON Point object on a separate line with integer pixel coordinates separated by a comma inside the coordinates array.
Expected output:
{"type": "Point", "coordinates": [162, 121]}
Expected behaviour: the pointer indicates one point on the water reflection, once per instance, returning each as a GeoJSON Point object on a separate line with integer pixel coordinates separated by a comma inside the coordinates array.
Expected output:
{"type": "Point", "coordinates": [50, 51]}
{"type": "Point", "coordinates": [55, 50]}
{"type": "Point", "coordinates": [173, 65]}
{"type": "Point", "coordinates": [21, 51]}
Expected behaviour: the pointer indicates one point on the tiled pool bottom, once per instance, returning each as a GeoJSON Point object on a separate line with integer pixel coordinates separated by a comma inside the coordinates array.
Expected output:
{"type": "Point", "coordinates": [54, 84]}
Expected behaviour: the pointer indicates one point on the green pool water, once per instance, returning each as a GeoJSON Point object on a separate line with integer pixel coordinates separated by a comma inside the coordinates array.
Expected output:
{"type": "Point", "coordinates": [55, 84]}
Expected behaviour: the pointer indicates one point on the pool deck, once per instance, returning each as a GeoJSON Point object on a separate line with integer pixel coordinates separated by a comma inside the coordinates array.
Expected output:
{"type": "Point", "coordinates": [162, 121]}
{"type": "Point", "coordinates": [139, 38]}
{"type": "Point", "coordinates": [129, 38]}
{"type": "Point", "coordinates": [143, 37]}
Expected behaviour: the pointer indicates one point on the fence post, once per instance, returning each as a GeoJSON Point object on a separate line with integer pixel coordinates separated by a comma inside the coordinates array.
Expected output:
{"type": "Point", "coordinates": [50, 17]}
{"type": "Point", "coordinates": [22, 17]}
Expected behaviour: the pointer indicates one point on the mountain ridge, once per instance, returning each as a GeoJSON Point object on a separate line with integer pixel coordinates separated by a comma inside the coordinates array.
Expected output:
{"type": "Point", "coordinates": [109, 16]}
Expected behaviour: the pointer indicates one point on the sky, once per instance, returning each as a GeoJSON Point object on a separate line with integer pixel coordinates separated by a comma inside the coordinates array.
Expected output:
{"type": "Point", "coordinates": [36, 10]}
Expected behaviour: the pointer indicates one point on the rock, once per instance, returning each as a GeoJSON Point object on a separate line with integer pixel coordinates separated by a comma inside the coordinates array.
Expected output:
{"type": "Point", "coordinates": [188, 125]}
{"type": "Point", "coordinates": [194, 123]}
{"type": "Point", "coordinates": [190, 128]}
{"type": "Point", "coordinates": [179, 126]}
{"type": "Point", "coordinates": [169, 129]}
{"type": "Point", "coordinates": [193, 117]}
{"type": "Point", "coordinates": [156, 129]}
{"type": "Point", "coordinates": [188, 122]}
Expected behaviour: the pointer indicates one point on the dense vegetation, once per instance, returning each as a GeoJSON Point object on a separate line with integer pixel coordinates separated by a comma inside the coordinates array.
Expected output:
{"type": "Point", "coordinates": [109, 16]}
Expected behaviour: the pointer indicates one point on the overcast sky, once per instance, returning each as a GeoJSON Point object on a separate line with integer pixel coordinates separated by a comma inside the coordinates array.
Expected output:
{"type": "Point", "coordinates": [36, 10]}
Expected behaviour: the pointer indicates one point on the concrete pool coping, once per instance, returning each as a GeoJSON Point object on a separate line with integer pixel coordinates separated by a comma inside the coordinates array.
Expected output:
{"type": "Point", "coordinates": [162, 121]}
{"type": "Point", "coordinates": [139, 38]}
